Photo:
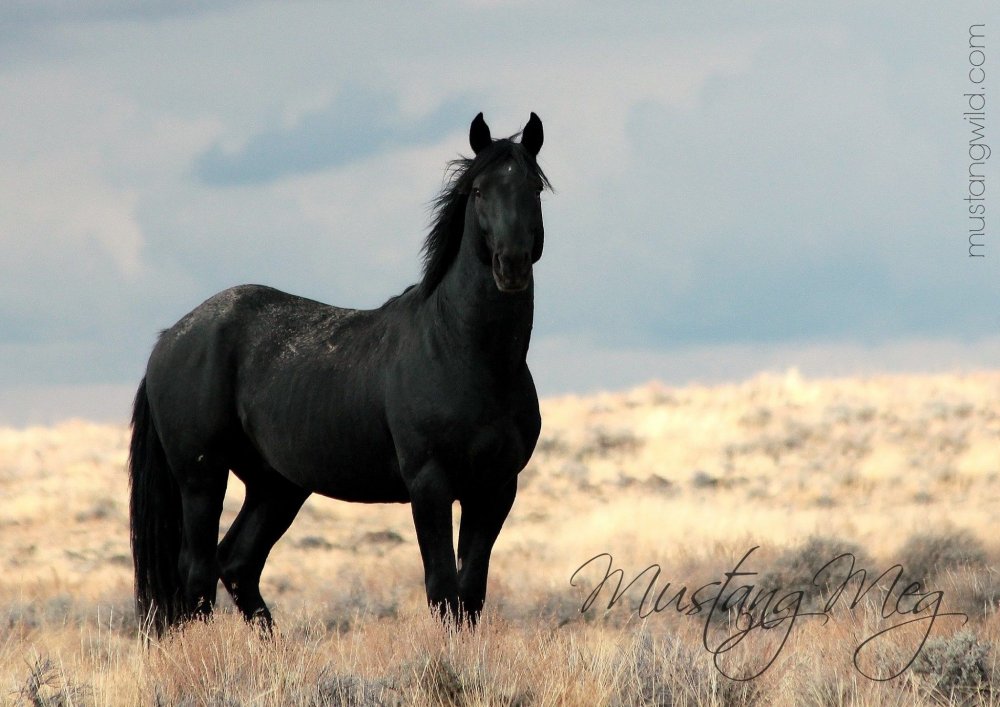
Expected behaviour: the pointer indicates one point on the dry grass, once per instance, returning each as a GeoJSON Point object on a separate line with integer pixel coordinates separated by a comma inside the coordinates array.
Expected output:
{"type": "Point", "coordinates": [897, 469]}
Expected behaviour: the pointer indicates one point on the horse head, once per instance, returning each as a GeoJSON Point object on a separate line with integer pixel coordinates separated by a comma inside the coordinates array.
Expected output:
{"type": "Point", "coordinates": [504, 206]}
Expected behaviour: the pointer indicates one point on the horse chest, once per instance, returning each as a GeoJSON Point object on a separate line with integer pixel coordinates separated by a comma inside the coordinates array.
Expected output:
{"type": "Point", "coordinates": [488, 455]}
{"type": "Point", "coordinates": [475, 430]}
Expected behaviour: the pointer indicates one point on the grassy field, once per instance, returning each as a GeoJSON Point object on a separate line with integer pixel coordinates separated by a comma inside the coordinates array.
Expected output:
{"type": "Point", "coordinates": [897, 470]}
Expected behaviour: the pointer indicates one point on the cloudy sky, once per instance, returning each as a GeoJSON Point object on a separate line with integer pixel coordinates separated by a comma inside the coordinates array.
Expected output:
{"type": "Point", "coordinates": [739, 187]}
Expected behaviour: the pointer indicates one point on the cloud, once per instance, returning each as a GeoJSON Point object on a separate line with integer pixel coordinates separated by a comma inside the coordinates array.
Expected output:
{"type": "Point", "coordinates": [756, 178]}
{"type": "Point", "coordinates": [358, 124]}
{"type": "Point", "coordinates": [34, 12]}
{"type": "Point", "coordinates": [71, 250]}
{"type": "Point", "coordinates": [789, 200]}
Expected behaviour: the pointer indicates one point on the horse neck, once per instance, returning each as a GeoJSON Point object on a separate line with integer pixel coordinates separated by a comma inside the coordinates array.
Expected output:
{"type": "Point", "coordinates": [474, 311]}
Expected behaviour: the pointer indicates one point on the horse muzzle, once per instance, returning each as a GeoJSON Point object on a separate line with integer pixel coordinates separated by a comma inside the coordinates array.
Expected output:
{"type": "Point", "coordinates": [512, 273]}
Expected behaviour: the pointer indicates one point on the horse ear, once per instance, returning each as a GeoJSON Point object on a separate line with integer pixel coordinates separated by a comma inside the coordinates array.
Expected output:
{"type": "Point", "coordinates": [532, 136]}
{"type": "Point", "coordinates": [479, 134]}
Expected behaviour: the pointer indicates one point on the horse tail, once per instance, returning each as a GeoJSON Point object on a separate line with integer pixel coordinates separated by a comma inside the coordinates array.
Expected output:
{"type": "Point", "coordinates": [154, 523]}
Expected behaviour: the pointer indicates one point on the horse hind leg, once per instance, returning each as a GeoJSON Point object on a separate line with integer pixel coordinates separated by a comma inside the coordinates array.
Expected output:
{"type": "Point", "coordinates": [202, 490]}
{"type": "Point", "coordinates": [269, 508]}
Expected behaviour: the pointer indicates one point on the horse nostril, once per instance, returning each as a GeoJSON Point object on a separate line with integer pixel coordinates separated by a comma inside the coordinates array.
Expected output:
{"type": "Point", "coordinates": [509, 263]}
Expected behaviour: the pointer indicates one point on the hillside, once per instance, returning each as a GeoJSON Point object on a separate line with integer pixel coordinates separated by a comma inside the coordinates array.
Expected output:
{"type": "Point", "coordinates": [896, 469]}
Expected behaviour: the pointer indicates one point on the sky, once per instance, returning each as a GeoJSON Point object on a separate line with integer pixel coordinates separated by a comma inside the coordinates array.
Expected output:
{"type": "Point", "coordinates": [738, 187]}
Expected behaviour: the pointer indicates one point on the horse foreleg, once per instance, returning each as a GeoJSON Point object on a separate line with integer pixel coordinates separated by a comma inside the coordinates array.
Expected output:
{"type": "Point", "coordinates": [431, 498]}
{"type": "Point", "coordinates": [482, 518]}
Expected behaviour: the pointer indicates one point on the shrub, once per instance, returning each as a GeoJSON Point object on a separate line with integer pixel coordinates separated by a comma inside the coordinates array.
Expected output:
{"type": "Point", "coordinates": [671, 671]}
{"type": "Point", "coordinates": [924, 555]}
{"type": "Point", "coordinates": [603, 443]}
{"type": "Point", "coordinates": [46, 686]}
{"type": "Point", "coordinates": [974, 592]}
{"type": "Point", "coordinates": [796, 569]}
{"type": "Point", "coordinates": [954, 668]}
{"type": "Point", "coordinates": [345, 691]}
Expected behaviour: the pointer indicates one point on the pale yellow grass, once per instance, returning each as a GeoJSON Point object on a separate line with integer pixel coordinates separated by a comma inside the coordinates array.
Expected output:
{"type": "Point", "coordinates": [689, 478]}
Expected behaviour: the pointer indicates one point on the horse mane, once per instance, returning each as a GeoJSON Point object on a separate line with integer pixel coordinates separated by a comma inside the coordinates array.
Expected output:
{"type": "Point", "coordinates": [448, 209]}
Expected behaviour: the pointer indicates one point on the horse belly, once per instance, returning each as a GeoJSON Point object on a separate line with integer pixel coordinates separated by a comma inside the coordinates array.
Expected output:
{"type": "Point", "coordinates": [361, 479]}
{"type": "Point", "coordinates": [348, 463]}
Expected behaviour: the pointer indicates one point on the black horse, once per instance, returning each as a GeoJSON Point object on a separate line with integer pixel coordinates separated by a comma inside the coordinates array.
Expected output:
{"type": "Point", "coordinates": [425, 400]}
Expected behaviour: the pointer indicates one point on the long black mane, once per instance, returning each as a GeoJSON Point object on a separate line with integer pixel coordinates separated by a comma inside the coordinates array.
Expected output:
{"type": "Point", "coordinates": [448, 209]}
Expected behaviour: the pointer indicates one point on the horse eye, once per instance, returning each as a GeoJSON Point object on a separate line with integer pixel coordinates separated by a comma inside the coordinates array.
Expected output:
{"type": "Point", "coordinates": [476, 193]}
